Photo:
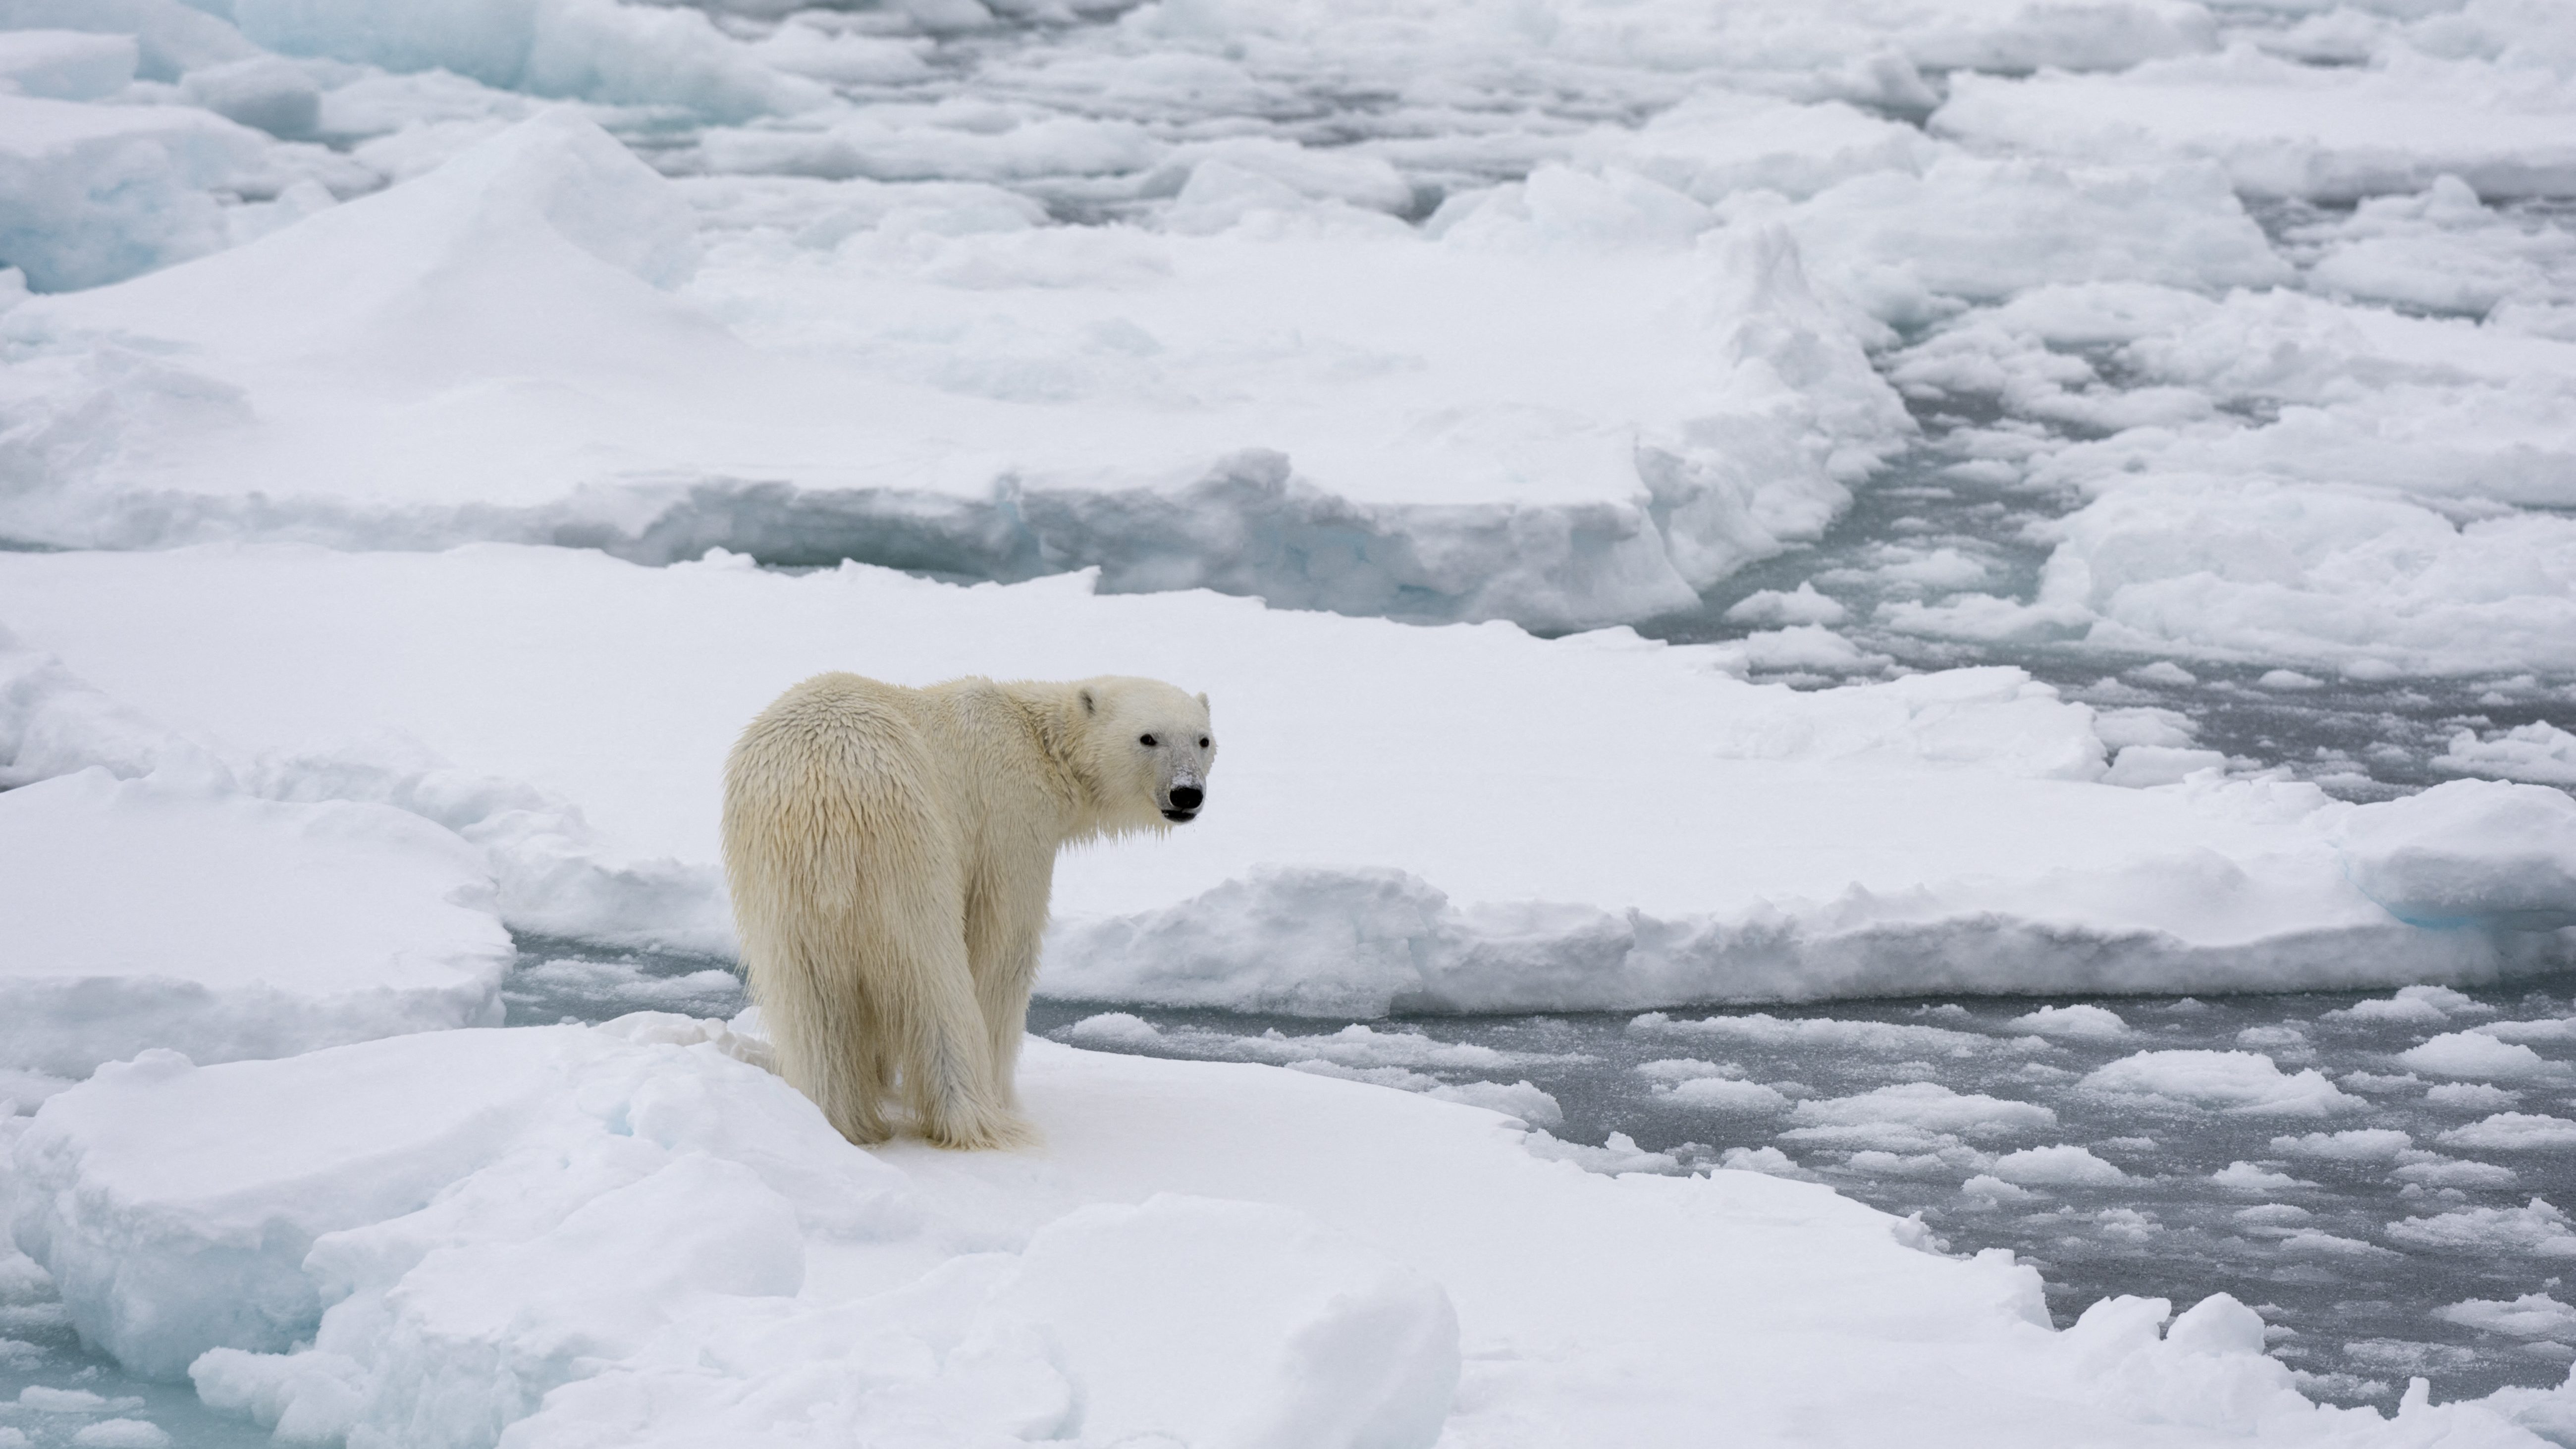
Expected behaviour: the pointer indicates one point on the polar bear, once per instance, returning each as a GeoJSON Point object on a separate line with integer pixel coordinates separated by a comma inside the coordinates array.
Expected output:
{"type": "Point", "coordinates": [890, 853]}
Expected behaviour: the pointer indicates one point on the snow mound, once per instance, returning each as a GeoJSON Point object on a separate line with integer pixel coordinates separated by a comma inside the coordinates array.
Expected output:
{"type": "Point", "coordinates": [550, 1235]}
{"type": "Point", "coordinates": [162, 913]}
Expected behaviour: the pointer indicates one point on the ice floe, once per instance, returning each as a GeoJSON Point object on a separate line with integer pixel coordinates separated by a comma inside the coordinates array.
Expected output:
{"type": "Point", "coordinates": [541, 1235]}
{"type": "Point", "coordinates": [563, 710]}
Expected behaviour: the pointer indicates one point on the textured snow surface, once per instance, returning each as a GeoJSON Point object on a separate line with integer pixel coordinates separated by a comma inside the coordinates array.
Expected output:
{"type": "Point", "coordinates": [551, 1235]}
{"type": "Point", "coordinates": [565, 711]}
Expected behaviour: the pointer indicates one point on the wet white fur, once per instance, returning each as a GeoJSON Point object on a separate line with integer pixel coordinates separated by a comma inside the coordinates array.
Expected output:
{"type": "Point", "coordinates": [890, 853]}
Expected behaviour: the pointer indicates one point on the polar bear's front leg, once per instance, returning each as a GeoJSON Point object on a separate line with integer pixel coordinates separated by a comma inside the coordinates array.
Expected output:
{"type": "Point", "coordinates": [1003, 926]}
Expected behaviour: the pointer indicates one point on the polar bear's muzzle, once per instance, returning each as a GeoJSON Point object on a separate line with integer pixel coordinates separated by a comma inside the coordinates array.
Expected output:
{"type": "Point", "coordinates": [1184, 804]}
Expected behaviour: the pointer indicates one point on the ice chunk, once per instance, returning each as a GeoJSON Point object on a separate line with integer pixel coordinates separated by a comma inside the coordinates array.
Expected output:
{"type": "Point", "coordinates": [2247, 1177]}
{"type": "Point", "coordinates": [157, 913]}
{"type": "Point", "coordinates": [2469, 850]}
{"type": "Point", "coordinates": [2513, 1132]}
{"type": "Point", "coordinates": [1724, 1095]}
{"type": "Point", "coordinates": [1931, 1106]}
{"type": "Point", "coordinates": [2361, 1144]}
{"type": "Point", "coordinates": [2083, 1020]}
{"type": "Point", "coordinates": [2287, 129]}
{"type": "Point", "coordinates": [1717, 143]}
{"type": "Point", "coordinates": [2476, 1096]}
{"type": "Point", "coordinates": [170, 36]}
{"type": "Point", "coordinates": [2453, 1172]}
{"type": "Point", "coordinates": [2476, 1054]}
{"type": "Point", "coordinates": [2411, 1004]}
{"type": "Point", "coordinates": [2242, 1083]}
{"type": "Point", "coordinates": [591, 49]}
{"type": "Point", "coordinates": [2537, 1229]}
{"type": "Point", "coordinates": [2539, 752]}
{"type": "Point", "coordinates": [2327, 576]}
{"type": "Point", "coordinates": [66, 65]}
{"type": "Point", "coordinates": [2145, 766]}
{"type": "Point", "coordinates": [1776, 607]}
{"type": "Point", "coordinates": [93, 194]}
{"type": "Point", "coordinates": [2059, 1166]}
{"type": "Point", "coordinates": [1898, 242]}
{"type": "Point", "coordinates": [264, 92]}
{"type": "Point", "coordinates": [180, 1238]}
{"type": "Point", "coordinates": [2533, 1315]}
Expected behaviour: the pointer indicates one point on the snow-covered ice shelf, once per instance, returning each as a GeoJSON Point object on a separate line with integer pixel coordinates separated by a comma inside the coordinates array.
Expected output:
{"type": "Point", "coordinates": [1463, 818]}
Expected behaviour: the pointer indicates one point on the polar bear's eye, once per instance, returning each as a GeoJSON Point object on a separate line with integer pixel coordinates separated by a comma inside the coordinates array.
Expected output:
{"type": "Point", "coordinates": [1203, 742]}
{"type": "Point", "coordinates": [1146, 740]}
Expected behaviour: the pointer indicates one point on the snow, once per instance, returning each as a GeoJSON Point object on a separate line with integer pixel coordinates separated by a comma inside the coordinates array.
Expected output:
{"type": "Point", "coordinates": [563, 1232]}
{"type": "Point", "coordinates": [161, 912]}
{"type": "Point", "coordinates": [1927, 833]}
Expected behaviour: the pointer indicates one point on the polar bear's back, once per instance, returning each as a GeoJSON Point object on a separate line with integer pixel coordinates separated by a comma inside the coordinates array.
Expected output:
{"type": "Point", "coordinates": [831, 778]}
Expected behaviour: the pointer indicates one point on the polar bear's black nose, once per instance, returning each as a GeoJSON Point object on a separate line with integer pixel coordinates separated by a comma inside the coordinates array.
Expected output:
{"type": "Point", "coordinates": [1186, 797]}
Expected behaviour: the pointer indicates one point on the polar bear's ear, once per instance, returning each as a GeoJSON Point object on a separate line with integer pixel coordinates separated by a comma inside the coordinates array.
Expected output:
{"type": "Point", "coordinates": [1203, 704]}
{"type": "Point", "coordinates": [1089, 706]}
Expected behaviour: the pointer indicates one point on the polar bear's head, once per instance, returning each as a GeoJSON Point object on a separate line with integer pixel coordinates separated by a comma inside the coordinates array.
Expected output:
{"type": "Point", "coordinates": [1148, 747]}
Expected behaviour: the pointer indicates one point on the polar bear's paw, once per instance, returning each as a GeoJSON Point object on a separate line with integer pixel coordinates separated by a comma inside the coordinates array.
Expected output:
{"type": "Point", "coordinates": [976, 1131]}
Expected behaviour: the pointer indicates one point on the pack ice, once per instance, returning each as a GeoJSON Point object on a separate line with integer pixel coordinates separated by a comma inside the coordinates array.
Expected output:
{"type": "Point", "coordinates": [411, 391]}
